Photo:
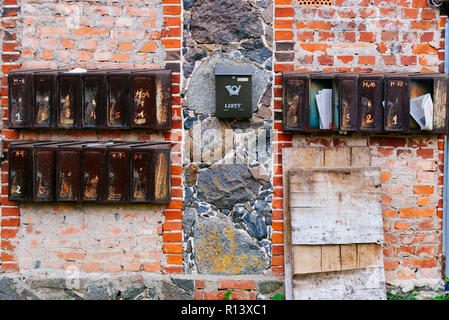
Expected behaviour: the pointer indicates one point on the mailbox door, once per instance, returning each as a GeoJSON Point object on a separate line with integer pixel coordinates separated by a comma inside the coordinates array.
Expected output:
{"type": "Point", "coordinates": [44, 174]}
{"type": "Point", "coordinates": [118, 100]}
{"type": "Point", "coordinates": [349, 97]}
{"type": "Point", "coordinates": [20, 100]}
{"type": "Point", "coordinates": [440, 105]}
{"type": "Point", "coordinates": [68, 175]}
{"type": "Point", "coordinates": [160, 169]}
{"type": "Point", "coordinates": [93, 175]}
{"type": "Point", "coordinates": [117, 176]}
{"type": "Point", "coordinates": [370, 103]}
{"type": "Point", "coordinates": [94, 102]}
{"type": "Point", "coordinates": [19, 173]}
{"type": "Point", "coordinates": [44, 97]}
{"type": "Point", "coordinates": [295, 104]}
{"type": "Point", "coordinates": [141, 179]}
{"type": "Point", "coordinates": [397, 103]}
{"type": "Point", "coordinates": [69, 101]}
{"type": "Point", "coordinates": [163, 100]}
{"type": "Point", "coordinates": [143, 104]}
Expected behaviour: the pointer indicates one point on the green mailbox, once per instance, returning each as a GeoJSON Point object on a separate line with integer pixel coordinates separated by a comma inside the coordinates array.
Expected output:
{"type": "Point", "coordinates": [233, 89]}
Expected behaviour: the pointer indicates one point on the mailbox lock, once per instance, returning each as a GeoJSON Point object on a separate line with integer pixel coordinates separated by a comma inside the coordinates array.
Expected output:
{"type": "Point", "coordinates": [111, 175]}
{"type": "Point", "coordinates": [13, 173]}
{"type": "Point", "coordinates": [112, 100]}
{"type": "Point", "coordinates": [86, 175]}
{"type": "Point", "coordinates": [13, 100]}
{"type": "Point", "coordinates": [136, 175]}
{"type": "Point", "coordinates": [87, 100]}
{"type": "Point", "coordinates": [62, 100]}
{"type": "Point", "coordinates": [136, 101]}
{"type": "Point", "coordinates": [61, 174]}
{"type": "Point", "coordinates": [290, 103]}
{"type": "Point", "coordinates": [39, 175]}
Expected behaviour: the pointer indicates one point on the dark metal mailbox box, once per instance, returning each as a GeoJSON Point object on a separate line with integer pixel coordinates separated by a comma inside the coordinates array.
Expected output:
{"type": "Point", "coordinates": [348, 101]}
{"type": "Point", "coordinates": [117, 173]}
{"type": "Point", "coordinates": [437, 85]}
{"type": "Point", "coordinates": [20, 99]}
{"type": "Point", "coordinates": [93, 178]}
{"type": "Point", "coordinates": [300, 107]}
{"type": "Point", "coordinates": [371, 92]}
{"type": "Point", "coordinates": [45, 99]}
{"type": "Point", "coordinates": [118, 91]}
{"type": "Point", "coordinates": [150, 170]}
{"type": "Point", "coordinates": [20, 171]}
{"type": "Point", "coordinates": [233, 90]}
{"type": "Point", "coordinates": [69, 100]}
{"type": "Point", "coordinates": [94, 103]}
{"type": "Point", "coordinates": [44, 170]}
{"type": "Point", "coordinates": [68, 172]}
{"type": "Point", "coordinates": [397, 102]}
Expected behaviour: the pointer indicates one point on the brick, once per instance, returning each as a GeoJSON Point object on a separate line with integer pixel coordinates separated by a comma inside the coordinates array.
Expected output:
{"type": "Point", "coordinates": [237, 284]}
{"type": "Point", "coordinates": [425, 189]}
{"type": "Point", "coordinates": [151, 266]}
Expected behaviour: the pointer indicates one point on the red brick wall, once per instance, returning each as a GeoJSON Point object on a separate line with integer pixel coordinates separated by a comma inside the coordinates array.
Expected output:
{"type": "Point", "coordinates": [131, 34]}
{"type": "Point", "coordinates": [376, 35]}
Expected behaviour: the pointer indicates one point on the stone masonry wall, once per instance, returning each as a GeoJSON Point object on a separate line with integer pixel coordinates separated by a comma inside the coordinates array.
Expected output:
{"type": "Point", "coordinates": [374, 35]}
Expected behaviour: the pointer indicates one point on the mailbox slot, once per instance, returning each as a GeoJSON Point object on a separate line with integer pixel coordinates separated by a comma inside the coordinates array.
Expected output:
{"type": "Point", "coordinates": [68, 172]}
{"type": "Point", "coordinates": [348, 101]}
{"type": "Point", "coordinates": [94, 103]}
{"type": "Point", "coordinates": [233, 89]}
{"type": "Point", "coordinates": [20, 171]}
{"type": "Point", "coordinates": [44, 170]}
{"type": "Point", "coordinates": [69, 100]}
{"type": "Point", "coordinates": [20, 99]}
{"type": "Point", "coordinates": [150, 173]}
{"type": "Point", "coordinates": [371, 92]}
{"type": "Point", "coordinates": [397, 102]}
{"type": "Point", "coordinates": [118, 88]}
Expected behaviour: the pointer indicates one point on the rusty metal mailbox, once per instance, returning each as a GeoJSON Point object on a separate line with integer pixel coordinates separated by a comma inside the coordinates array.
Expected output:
{"type": "Point", "coordinates": [20, 171]}
{"type": "Point", "coordinates": [310, 102]}
{"type": "Point", "coordinates": [44, 113]}
{"type": "Point", "coordinates": [69, 100]}
{"type": "Point", "coordinates": [20, 99]}
{"type": "Point", "coordinates": [371, 92]}
{"type": "Point", "coordinates": [118, 96]}
{"type": "Point", "coordinates": [94, 103]}
{"type": "Point", "coordinates": [68, 172]}
{"type": "Point", "coordinates": [117, 173]}
{"type": "Point", "coordinates": [397, 102]}
{"type": "Point", "coordinates": [348, 101]}
{"type": "Point", "coordinates": [150, 173]}
{"type": "Point", "coordinates": [233, 89]}
{"type": "Point", "coordinates": [150, 99]}
{"type": "Point", "coordinates": [93, 178]}
{"type": "Point", "coordinates": [437, 86]}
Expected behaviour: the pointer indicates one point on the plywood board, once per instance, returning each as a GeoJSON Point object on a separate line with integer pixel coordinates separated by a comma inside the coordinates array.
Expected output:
{"type": "Point", "coordinates": [307, 259]}
{"type": "Point", "coordinates": [336, 206]}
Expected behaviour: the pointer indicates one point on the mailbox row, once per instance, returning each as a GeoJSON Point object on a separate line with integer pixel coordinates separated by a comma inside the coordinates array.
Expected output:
{"type": "Point", "coordinates": [366, 102]}
{"type": "Point", "coordinates": [70, 99]}
{"type": "Point", "coordinates": [107, 172]}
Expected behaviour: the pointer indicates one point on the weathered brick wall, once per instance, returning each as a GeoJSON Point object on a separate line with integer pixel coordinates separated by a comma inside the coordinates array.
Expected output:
{"type": "Point", "coordinates": [93, 238]}
{"type": "Point", "coordinates": [364, 35]}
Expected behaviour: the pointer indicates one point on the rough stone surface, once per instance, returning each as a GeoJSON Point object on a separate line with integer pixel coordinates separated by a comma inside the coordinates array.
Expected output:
{"type": "Point", "coordinates": [201, 93]}
{"type": "Point", "coordinates": [226, 185]}
{"type": "Point", "coordinates": [190, 174]}
{"type": "Point", "coordinates": [220, 248]}
{"type": "Point", "coordinates": [224, 21]}
{"type": "Point", "coordinates": [266, 287]}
